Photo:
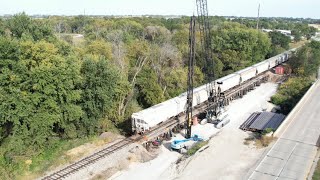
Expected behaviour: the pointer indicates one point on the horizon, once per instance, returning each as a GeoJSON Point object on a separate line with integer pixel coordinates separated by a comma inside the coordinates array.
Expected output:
{"type": "Point", "coordinates": [245, 8]}
{"type": "Point", "coordinates": [151, 15]}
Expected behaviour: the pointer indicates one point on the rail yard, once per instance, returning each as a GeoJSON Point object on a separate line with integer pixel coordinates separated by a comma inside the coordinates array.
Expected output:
{"type": "Point", "coordinates": [159, 90]}
{"type": "Point", "coordinates": [243, 82]}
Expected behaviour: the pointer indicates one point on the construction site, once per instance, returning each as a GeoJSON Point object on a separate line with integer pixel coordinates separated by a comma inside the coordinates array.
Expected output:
{"type": "Point", "coordinates": [128, 112]}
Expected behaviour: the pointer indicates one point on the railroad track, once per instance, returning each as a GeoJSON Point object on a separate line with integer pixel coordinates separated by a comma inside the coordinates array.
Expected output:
{"type": "Point", "coordinates": [161, 128]}
{"type": "Point", "coordinates": [72, 168]}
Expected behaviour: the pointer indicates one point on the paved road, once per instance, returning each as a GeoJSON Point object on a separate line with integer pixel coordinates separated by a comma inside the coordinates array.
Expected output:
{"type": "Point", "coordinates": [291, 157]}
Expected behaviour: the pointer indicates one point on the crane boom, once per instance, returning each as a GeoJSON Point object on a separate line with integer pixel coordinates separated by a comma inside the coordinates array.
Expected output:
{"type": "Point", "coordinates": [205, 34]}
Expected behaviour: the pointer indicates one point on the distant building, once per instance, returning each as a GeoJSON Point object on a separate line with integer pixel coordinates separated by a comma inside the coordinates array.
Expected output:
{"type": "Point", "coordinates": [285, 32]}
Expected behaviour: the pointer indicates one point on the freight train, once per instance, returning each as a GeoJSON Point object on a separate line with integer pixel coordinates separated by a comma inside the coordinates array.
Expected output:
{"type": "Point", "coordinates": [148, 118]}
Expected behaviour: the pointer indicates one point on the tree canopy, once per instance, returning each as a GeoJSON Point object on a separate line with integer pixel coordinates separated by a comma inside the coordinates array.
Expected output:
{"type": "Point", "coordinates": [68, 78]}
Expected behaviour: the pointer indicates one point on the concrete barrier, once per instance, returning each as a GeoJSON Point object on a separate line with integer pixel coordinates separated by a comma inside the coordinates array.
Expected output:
{"type": "Point", "coordinates": [293, 112]}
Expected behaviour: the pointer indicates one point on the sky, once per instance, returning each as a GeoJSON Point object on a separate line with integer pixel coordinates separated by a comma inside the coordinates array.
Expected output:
{"type": "Point", "coordinates": [269, 8]}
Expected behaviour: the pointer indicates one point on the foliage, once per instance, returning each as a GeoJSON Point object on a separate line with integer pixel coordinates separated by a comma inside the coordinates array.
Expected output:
{"type": "Point", "coordinates": [101, 87]}
{"type": "Point", "coordinates": [316, 174]}
{"type": "Point", "coordinates": [290, 93]}
{"type": "Point", "coordinates": [297, 25]}
{"type": "Point", "coordinates": [279, 39]}
{"type": "Point", "coordinates": [53, 92]}
{"type": "Point", "coordinates": [22, 26]}
{"type": "Point", "coordinates": [306, 61]}
{"type": "Point", "coordinates": [238, 47]}
{"type": "Point", "coordinates": [150, 92]}
{"type": "Point", "coordinates": [196, 147]}
{"type": "Point", "coordinates": [267, 131]}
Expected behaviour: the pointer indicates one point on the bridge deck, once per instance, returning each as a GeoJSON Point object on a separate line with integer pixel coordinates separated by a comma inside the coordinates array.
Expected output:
{"type": "Point", "coordinates": [292, 156]}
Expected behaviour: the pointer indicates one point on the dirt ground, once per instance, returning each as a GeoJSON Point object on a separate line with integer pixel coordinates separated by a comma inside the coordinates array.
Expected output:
{"type": "Point", "coordinates": [227, 156]}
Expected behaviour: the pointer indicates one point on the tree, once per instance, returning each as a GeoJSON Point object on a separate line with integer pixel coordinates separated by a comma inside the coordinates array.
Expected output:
{"type": "Point", "coordinates": [118, 49]}
{"type": "Point", "coordinates": [157, 34]}
{"type": "Point", "coordinates": [99, 101]}
{"type": "Point", "coordinates": [19, 24]}
{"type": "Point", "coordinates": [99, 48]}
{"type": "Point", "coordinates": [9, 49]}
{"type": "Point", "coordinates": [236, 46]}
{"type": "Point", "coordinates": [39, 98]}
{"type": "Point", "coordinates": [297, 35]}
{"type": "Point", "coordinates": [306, 60]}
{"type": "Point", "coordinates": [290, 93]}
{"type": "Point", "coordinates": [150, 92]}
{"type": "Point", "coordinates": [2, 27]}
{"type": "Point", "coordinates": [279, 39]}
{"type": "Point", "coordinates": [22, 26]}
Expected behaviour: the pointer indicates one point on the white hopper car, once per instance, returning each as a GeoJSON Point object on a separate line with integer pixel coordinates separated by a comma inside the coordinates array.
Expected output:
{"type": "Point", "coordinates": [146, 119]}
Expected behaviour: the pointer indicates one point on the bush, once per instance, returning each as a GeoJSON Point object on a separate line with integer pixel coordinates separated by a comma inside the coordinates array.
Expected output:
{"type": "Point", "coordinates": [290, 93]}
{"type": "Point", "coordinates": [196, 147]}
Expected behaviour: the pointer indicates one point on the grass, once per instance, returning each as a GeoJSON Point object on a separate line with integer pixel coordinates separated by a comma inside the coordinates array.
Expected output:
{"type": "Point", "coordinates": [260, 140]}
{"type": "Point", "coordinates": [297, 44]}
{"type": "Point", "coordinates": [52, 157]}
{"type": "Point", "coordinates": [196, 147]}
{"type": "Point", "coordinates": [47, 159]}
{"type": "Point", "coordinates": [316, 175]}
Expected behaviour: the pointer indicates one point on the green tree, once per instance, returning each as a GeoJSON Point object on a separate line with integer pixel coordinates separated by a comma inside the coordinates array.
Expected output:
{"type": "Point", "coordinates": [22, 26]}
{"type": "Point", "coordinates": [290, 93]}
{"type": "Point", "coordinates": [306, 60]}
{"type": "Point", "coordinates": [149, 91]}
{"type": "Point", "coordinates": [99, 48]}
{"type": "Point", "coordinates": [279, 39]}
{"type": "Point", "coordinates": [297, 35]}
{"type": "Point", "coordinates": [101, 90]}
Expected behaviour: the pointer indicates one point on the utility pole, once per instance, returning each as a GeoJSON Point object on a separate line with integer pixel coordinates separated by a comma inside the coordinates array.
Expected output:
{"type": "Point", "coordinates": [258, 17]}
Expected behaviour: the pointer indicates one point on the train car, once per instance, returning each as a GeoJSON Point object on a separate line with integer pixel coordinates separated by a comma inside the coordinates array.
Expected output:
{"type": "Point", "coordinates": [200, 95]}
{"type": "Point", "coordinates": [228, 82]}
{"type": "Point", "coordinates": [150, 117]}
{"type": "Point", "coordinates": [272, 62]}
{"type": "Point", "coordinates": [146, 119]}
{"type": "Point", "coordinates": [246, 74]}
{"type": "Point", "coordinates": [261, 67]}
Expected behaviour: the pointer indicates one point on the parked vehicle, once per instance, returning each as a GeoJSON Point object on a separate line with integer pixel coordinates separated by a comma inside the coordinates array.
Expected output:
{"type": "Point", "coordinates": [184, 144]}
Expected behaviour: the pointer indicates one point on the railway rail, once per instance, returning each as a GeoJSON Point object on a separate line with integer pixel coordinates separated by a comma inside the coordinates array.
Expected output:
{"type": "Point", "coordinates": [72, 168]}
{"type": "Point", "coordinates": [163, 127]}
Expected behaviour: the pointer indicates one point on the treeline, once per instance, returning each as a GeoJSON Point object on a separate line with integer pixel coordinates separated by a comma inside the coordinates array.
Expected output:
{"type": "Point", "coordinates": [304, 65]}
{"type": "Point", "coordinates": [56, 87]}
{"type": "Point", "coordinates": [298, 27]}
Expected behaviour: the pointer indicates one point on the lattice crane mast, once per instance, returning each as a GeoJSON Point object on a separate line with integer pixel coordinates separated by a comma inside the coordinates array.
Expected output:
{"type": "Point", "coordinates": [190, 74]}
{"type": "Point", "coordinates": [205, 35]}
{"type": "Point", "coordinates": [208, 68]}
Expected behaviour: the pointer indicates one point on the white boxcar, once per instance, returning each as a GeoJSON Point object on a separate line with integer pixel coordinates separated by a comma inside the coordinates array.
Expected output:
{"type": "Point", "coordinates": [280, 59]}
{"type": "Point", "coordinates": [246, 74]}
{"type": "Point", "coordinates": [150, 117]}
{"type": "Point", "coordinates": [284, 57]}
{"type": "Point", "coordinates": [261, 67]}
{"type": "Point", "coordinates": [228, 82]}
{"type": "Point", "coordinates": [200, 95]}
{"type": "Point", "coordinates": [272, 61]}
